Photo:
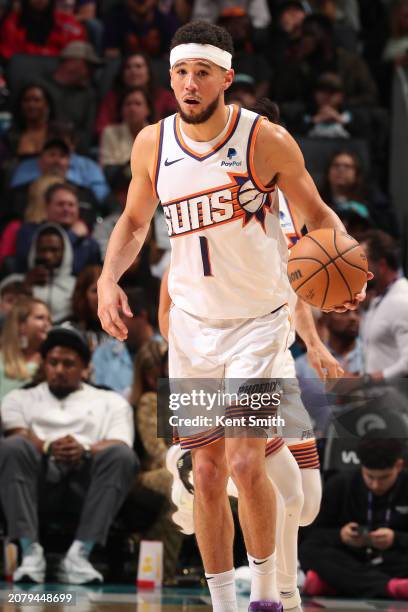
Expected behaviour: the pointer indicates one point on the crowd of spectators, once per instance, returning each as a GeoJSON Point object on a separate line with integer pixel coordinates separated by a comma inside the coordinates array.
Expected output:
{"type": "Point", "coordinates": [98, 74]}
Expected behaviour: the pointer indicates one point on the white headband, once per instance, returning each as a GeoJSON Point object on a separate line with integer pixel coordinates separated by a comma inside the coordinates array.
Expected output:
{"type": "Point", "coordinates": [196, 51]}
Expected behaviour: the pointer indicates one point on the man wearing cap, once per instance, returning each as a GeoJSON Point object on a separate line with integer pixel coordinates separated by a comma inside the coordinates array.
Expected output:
{"type": "Point", "coordinates": [71, 89]}
{"type": "Point", "coordinates": [64, 437]}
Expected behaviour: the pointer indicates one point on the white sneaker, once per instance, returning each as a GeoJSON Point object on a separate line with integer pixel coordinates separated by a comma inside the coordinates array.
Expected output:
{"type": "Point", "coordinates": [33, 566]}
{"type": "Point", "coordinates": [77, 569]}
{"type": "Point", "coordinates": [180, 497]}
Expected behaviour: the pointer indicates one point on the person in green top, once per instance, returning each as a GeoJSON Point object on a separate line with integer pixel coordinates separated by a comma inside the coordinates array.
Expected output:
{"type": "Point", "coordinates": [25, 328]}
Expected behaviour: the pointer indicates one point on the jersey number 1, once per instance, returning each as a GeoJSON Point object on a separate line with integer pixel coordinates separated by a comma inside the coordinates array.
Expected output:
{"type": "Point", "coordinates": [205, 256]}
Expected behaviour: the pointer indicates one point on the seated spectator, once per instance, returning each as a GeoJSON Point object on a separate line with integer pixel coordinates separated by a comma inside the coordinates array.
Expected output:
{"type": "Point", "coordinates": [316, 54]}
{"type": "Point", "coordinates": [245, 60]}
{"type": "Point", "coordinates": [136, 111]}
{"type": "Point", "coordinates": [25, 328]}
{"type": "Point", "coordinates": [85, 307]}
{"type": "Point", "coordinates": [58, 157]}
{"type": "Point", "coordinates": [327, 116]}
{"type": "Point", "coordinates": [71, 90]}
{"type": "Point", "coordinates": [37, 28]}
{"type": "Point", "coordinates": [35, 213]}
{"type": "Point", "coordinates": [385, 322]}
{"type": "Point", "coordinates": [359, 541]}
{"type": "Point", "coordinates": [345, 188]}
{"type": "Point", "coordinates": [62, 207]}
{"type": "Point", "coordinates": [112, 362]}
{"type": "Point", "coordinates": [31, 121]}
{"type": "Point", "coordinates": [49, 270]}
{"type": "Point", "coordinates": [133, 26]}
{"type": "Point", "coordinates": [135, 71]}
{"type": "Point", "coordinates": [87, 455]}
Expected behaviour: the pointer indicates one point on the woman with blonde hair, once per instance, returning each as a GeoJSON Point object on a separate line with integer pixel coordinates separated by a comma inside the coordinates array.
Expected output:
{"type": "Point", "coordinates": [24, 330]}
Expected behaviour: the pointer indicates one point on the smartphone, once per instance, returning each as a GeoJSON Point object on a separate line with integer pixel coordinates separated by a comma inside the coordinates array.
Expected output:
{"type": "Point", "coordinates": [362, 530]}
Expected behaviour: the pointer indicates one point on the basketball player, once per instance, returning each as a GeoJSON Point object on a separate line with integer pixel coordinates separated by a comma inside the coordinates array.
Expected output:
{"type": "Point", "coordinates": [213, 167]}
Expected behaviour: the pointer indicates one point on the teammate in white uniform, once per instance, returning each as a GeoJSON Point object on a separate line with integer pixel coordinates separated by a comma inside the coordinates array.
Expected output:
{"type": "Point", "coordinates": [227, 280]}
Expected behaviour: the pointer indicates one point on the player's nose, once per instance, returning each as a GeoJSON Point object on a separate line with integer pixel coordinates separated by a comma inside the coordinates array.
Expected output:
{"type": "Point", "coordinates": [190, 83]}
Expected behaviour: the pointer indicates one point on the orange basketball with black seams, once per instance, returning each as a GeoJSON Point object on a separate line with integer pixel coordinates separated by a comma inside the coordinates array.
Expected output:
{"type": "Point", "coordinates": [327, 267]}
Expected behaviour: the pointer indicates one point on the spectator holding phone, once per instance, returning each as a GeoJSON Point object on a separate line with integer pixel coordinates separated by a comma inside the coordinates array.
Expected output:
{"type": "Point", "coordinates": [359, 541]}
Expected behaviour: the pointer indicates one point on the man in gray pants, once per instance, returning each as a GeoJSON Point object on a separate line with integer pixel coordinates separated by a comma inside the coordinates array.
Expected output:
{"type": "Point", "coordinates": [64, 435]}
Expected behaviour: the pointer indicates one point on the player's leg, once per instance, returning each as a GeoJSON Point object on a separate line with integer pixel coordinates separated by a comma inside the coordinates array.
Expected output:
{"type": "Point", "coordinates": [214, 526]}
{"type": "Point", "coordinates": [257, 514]}
{"type": "Point", "coordinates": [285, 475]}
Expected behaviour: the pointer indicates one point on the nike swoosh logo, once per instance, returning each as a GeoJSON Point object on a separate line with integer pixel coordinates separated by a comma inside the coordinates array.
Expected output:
{"type": "Point", "coordinates": [173, 161]}
{"type": "Point", "coordinates": [260, 562]}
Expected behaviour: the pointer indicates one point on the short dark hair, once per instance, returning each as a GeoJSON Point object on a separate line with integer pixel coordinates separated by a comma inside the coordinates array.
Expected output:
{"type": "Point", "coordinates": [52, 190]}
{"type": "Point", "coordinates": [378, 453]}
{"type": "Point", "coordinates": [267, 108]}
{"type": "Point", "coordinates": [68, 338]}
{"type": "Point", "coordinates": [203, 33]}
{"type": "Point", "coordinates": [56, 143]}
{"type": "Point", "coordinates": [50, 230]}
{"type": "Point", "coordinates": [383, 246]}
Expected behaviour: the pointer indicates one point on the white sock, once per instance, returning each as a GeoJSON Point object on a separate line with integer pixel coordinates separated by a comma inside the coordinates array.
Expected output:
{"type": "Point", "coordinates": [263, 579]}
{"type": "Point", "coordinates": [222, 591]}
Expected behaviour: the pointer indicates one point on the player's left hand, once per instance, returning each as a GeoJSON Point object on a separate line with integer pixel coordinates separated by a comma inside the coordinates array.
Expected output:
{"type": "Point", "coordinates": [382, 538]}
{"type": "Point", "coordinates": [323, 362]}
{"type": "Point", "coordinates": [358, 298]}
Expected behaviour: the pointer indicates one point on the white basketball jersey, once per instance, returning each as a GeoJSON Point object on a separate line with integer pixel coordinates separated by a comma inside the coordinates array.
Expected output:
{"type": "Point", "coordinates": [229, 254]}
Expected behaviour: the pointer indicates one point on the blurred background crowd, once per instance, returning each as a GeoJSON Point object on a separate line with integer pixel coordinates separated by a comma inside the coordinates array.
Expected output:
{"type": "Point", "coordinates": [78, 80]}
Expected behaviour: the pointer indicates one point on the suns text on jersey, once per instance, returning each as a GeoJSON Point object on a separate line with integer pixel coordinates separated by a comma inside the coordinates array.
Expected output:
{"type": "Point", "coordinates": [199, 211]}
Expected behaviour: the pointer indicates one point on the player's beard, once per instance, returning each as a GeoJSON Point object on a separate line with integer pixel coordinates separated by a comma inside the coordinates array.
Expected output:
{"type": "Point", "coordinates": [202, 117]}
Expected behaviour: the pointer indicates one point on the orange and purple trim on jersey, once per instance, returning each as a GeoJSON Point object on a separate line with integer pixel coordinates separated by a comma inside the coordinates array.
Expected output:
{"type": "Point", "coordinates": [157, 156]}
{"type": "Point", "coordinates": [236, 114]}
{"type": "Point", "coordinates": [273, 446]}
{"type": "Point", "coordinates": [306, 454]}
{"type": "Point", "coordinates": [202, 439]}
{"type": "Point", "coordinates": [250, 157]}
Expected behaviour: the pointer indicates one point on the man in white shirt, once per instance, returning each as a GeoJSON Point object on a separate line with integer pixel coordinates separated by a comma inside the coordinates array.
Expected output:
{"type": "Point", "coordinates": [384, 326]}
{"type": "Point", "coordinates": [64, 433]}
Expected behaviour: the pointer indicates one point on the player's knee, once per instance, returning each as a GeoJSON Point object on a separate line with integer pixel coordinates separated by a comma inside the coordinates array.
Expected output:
{"type": "Point", "coordinates": [209, 478]}
{"type": "Point", "coordinates": [245, 470]}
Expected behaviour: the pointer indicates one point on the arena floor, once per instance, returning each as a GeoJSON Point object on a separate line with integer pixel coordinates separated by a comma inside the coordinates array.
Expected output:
{"type": "Point", "coordinates": [111, 598]}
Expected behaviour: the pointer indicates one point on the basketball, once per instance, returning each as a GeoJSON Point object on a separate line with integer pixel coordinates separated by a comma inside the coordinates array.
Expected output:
{"type": "Point", "coordinates": [326, 268]}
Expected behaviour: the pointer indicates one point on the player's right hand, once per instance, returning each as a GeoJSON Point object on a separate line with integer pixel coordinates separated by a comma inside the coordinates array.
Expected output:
{"type": "Point", "coordinates": [112, 301]}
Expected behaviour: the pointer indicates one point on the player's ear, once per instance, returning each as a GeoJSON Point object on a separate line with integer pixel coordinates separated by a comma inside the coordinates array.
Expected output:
{"type": "Point", "coordinates": [171, 73]}
{"type": "Point", "coordinates": [228, 78]}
